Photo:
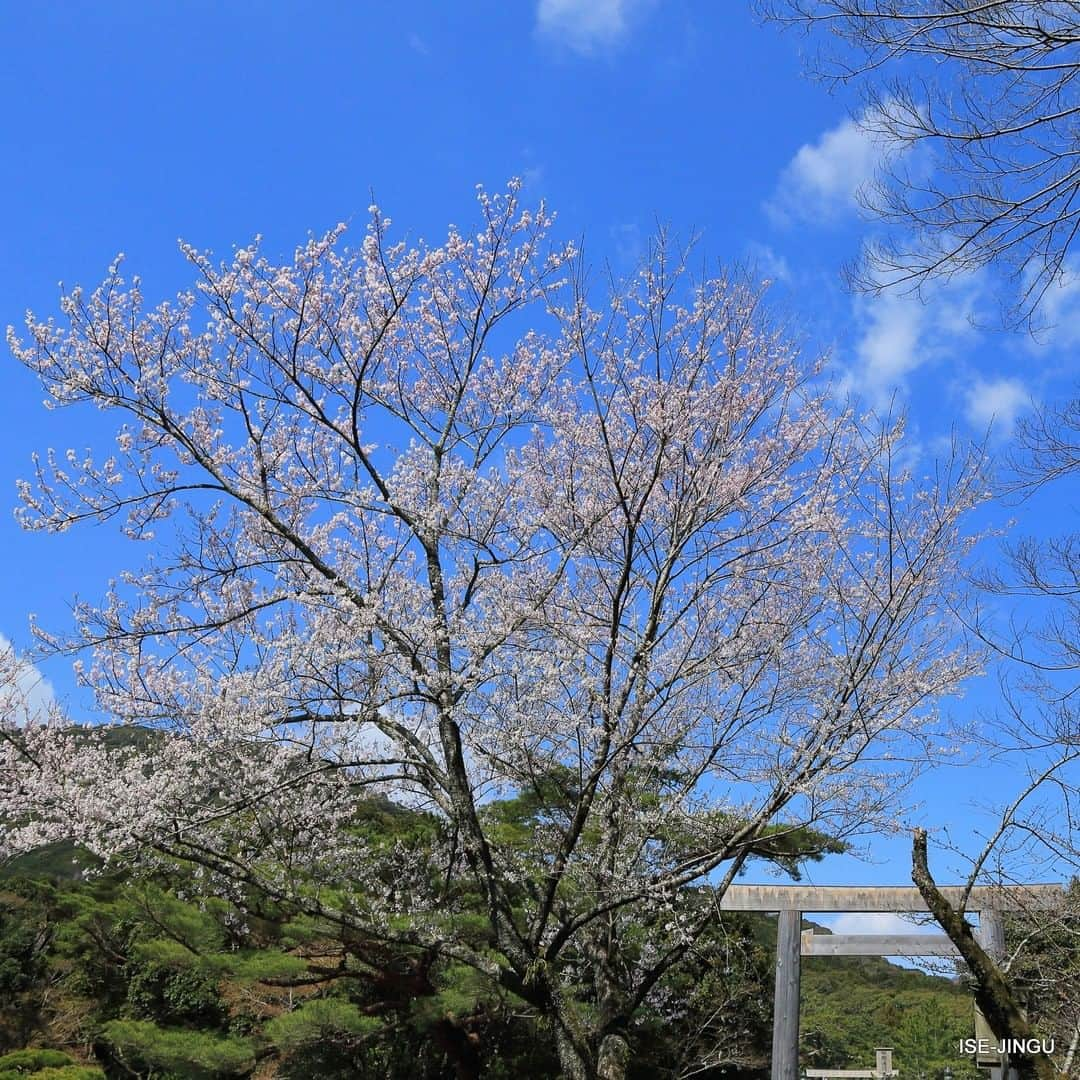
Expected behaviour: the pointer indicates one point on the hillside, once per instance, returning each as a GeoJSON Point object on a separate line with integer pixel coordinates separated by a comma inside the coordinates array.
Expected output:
{"type": "Point", "coordinates": [852, 1004]}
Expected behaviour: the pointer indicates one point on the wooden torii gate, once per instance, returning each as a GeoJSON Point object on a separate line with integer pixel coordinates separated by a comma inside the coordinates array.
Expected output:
{"type": "Point", "coordinates": [882, 1070]}
{"type": "Point", "coordinates": [790, 901]}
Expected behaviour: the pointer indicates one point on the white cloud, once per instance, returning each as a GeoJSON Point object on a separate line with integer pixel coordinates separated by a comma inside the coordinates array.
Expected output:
{"type": "Point", "coordinates": [1057, 323]}
{"type": "Point", "coordinates": [822, 180]}
{"type": "Point", "coordinates": [876, 922]}
{"type": "Point", "coordinates": [24, 692]}
{"type": "Point", "coordinates": [586, 26]}
{"type": "Point", "coordinates": [769, 262]}
{"type": "Point", "coordinates": [996, 402]}
{"type": "Point", "coordinates": [899, 334]}
{"type": "Point", "coordinates": [889, 348]}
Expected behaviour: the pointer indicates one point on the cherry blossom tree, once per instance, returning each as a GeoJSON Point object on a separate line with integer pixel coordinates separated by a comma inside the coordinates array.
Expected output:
{"type": "Point", "coordinates": [432, 523]}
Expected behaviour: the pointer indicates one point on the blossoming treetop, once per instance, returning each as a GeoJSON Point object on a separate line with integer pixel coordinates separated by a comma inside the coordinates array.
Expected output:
{"type": "Point", "coordinates": [434, 524]}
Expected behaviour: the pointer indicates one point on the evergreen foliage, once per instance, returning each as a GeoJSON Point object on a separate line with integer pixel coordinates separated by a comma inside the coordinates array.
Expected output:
{"type": "Point", "coordinates": [167, 981]}
{"type": "Point", "coordinates": [45, 1065]}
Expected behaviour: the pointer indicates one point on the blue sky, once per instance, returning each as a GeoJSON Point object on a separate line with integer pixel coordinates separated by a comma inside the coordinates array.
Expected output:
{"type": "Point", "coordinates": [128, 125]}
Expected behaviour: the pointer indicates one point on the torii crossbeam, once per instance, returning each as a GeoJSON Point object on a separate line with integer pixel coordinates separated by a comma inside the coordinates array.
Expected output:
{"type": "Point", "coordinates": [791, 901]}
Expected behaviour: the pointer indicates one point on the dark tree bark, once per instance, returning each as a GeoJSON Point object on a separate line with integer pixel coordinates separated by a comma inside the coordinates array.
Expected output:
{"type": "Point", "coordinates": [993, 994]}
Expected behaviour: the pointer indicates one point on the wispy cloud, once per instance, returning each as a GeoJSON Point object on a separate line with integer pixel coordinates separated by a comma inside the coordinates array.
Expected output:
{"type": "Point", "coordinates": [889, 348]}
{"type": "Point", "coordinates": [1058, 317]}
{"type": "Point", "coordinates": [587, 26]}
{"type": "Point", "coordinates": [25, 693]}
{"type": "Point", "coordinates": [996, 402]}
{"type": "Point", "coordinates": [765, 260]}
{"type": "Point", "coordinates": [822, 181]}
{"type": "Point", "coordinates": [900, 334]}
{"type": "Point", "coordinates": [877, 922]}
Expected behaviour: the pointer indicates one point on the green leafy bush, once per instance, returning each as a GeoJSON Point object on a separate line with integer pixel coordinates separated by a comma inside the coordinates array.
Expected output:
{"type": "Point", "coordinates": [181, 1053]}
{"type": "Point", "coordinates": [318, 1020]}
{"type": "Point", "coordinates": [45, 1065]}
{"type": "Point", "coordinates": [187, 995]}
{"type": "Point", "coordinates": [32, 1060]}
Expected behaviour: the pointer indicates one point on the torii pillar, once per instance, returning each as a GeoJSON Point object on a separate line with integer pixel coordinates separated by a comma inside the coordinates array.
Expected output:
{"type": "Point", "coordinates": [785, 1035]}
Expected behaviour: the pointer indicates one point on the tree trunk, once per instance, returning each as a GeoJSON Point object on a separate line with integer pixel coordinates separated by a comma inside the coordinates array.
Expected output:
{"type": "Point", "coordinates": [614, 1058]}
{"type": "Point", "coordinates": [993, 994]}
{"type": "Point", "coordinates": [572, 1062]}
